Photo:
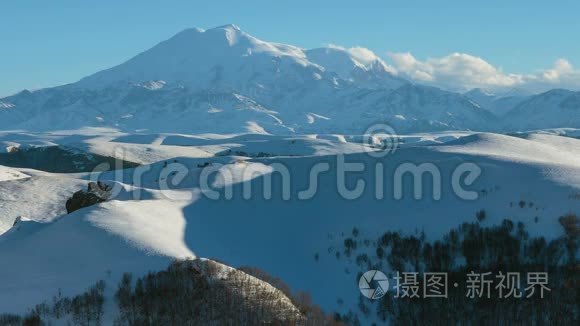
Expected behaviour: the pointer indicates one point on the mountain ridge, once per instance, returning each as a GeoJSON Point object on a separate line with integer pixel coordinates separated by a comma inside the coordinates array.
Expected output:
{"type": "Point", "coordinates": [226, 80]}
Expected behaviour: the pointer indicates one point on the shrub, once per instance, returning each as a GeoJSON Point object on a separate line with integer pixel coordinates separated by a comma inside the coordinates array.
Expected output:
{"type": "Point", "coordinates": [571, 224]}
{"type": "Point", "coordinates": [480, 215]}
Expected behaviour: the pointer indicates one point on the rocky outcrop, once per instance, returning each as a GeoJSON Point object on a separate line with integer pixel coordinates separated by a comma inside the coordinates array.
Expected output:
{"type": "Point", "coordinates": [97, 192]}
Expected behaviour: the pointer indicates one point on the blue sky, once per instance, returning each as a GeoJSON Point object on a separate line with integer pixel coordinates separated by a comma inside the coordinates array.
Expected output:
{"type": "Point", "coordinates": [47, 43]}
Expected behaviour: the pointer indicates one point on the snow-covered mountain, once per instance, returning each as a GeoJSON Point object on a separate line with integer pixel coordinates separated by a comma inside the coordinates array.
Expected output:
{"type": "Point", "coordinates": [417, 107]}
{"type": "Point", "coordinates": [498, 103]}
{"type": "Point", "coordinates": [225, 80]}
{"type": "Point", "coordinates": [551, 109]}
{"type": "Point", "coordinates": [481, 96]}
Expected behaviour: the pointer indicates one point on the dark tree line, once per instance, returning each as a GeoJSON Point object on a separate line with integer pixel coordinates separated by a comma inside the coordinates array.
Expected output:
{"type": "Point", "coordinates": [507, 247]}
{"type": "Point", "coordinates": [186, 293]}
{"type": "Point", "coordinates": [85, 310]}
{"type": "Point", "coordinates": [189, 293]}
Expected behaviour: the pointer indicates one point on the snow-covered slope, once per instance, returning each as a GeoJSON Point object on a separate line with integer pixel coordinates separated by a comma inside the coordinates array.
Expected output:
{"type": "Point", "coordinates": [552, 109]}
{"type": "Point", "coordinates": [481, 96]}
{"type": "Point", "coordinates": [498, 103]}
{"type": "Point", "coordinates": [11, 174]}
{"type": "Point", "coordinates": [298, 231]}
{"type": "Point", "coordinates": [358, 65]}
{"type": "Point", "coordinates": [223, 80]}
{"type": "Point", "coordinates": [99, 242]}
{"type": "Point", "coordinates": [40, 196]}
{"type": "Point", "coordinates": [296, 240]}
{"type": "Point", "coordinates": [415, 107]}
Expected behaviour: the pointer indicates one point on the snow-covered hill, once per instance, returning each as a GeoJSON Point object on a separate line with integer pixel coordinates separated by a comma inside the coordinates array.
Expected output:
{"type": "Point", "coordinates": [296, 240]}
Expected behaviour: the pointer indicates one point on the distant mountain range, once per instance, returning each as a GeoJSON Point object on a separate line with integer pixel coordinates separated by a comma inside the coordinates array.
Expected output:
{"type": "Point", "coordinates": [223, 80]}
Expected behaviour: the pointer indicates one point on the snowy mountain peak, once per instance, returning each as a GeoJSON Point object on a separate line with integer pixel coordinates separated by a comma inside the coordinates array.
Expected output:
{"type": "Point", "coordinates": [356, 64]}
{"type": "Point", "coordinates": [226, 32]}
{"type": "Point", "coordinates": [228, 26]}
{"type": "Point", "coordinates": [339, 59]}
{"type": "Point", "coordinates": [231, 33]}
{"type": "Point", "coordinates": [479, 92]}
{"type": "Point", "coordinates": [223, 55]}
{"type": "Point", "coordinates": [223, 80]}
{"type": "Point", "coordinates": [228, 55]}
{"type": "Point", "coordinates": [556, 92]}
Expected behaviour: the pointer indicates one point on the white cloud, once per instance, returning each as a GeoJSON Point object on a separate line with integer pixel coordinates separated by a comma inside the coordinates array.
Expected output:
{"type": "Point", "coordinates": [562, 75]}
{"type": "Point", "coordinates": [364, 56]}
{"type": "Point", "coordinates": [460, 71]}
{"type": "Point", "coordinates": [561, 68]}
{"type": "Point", "coordinates": [360, 54]}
